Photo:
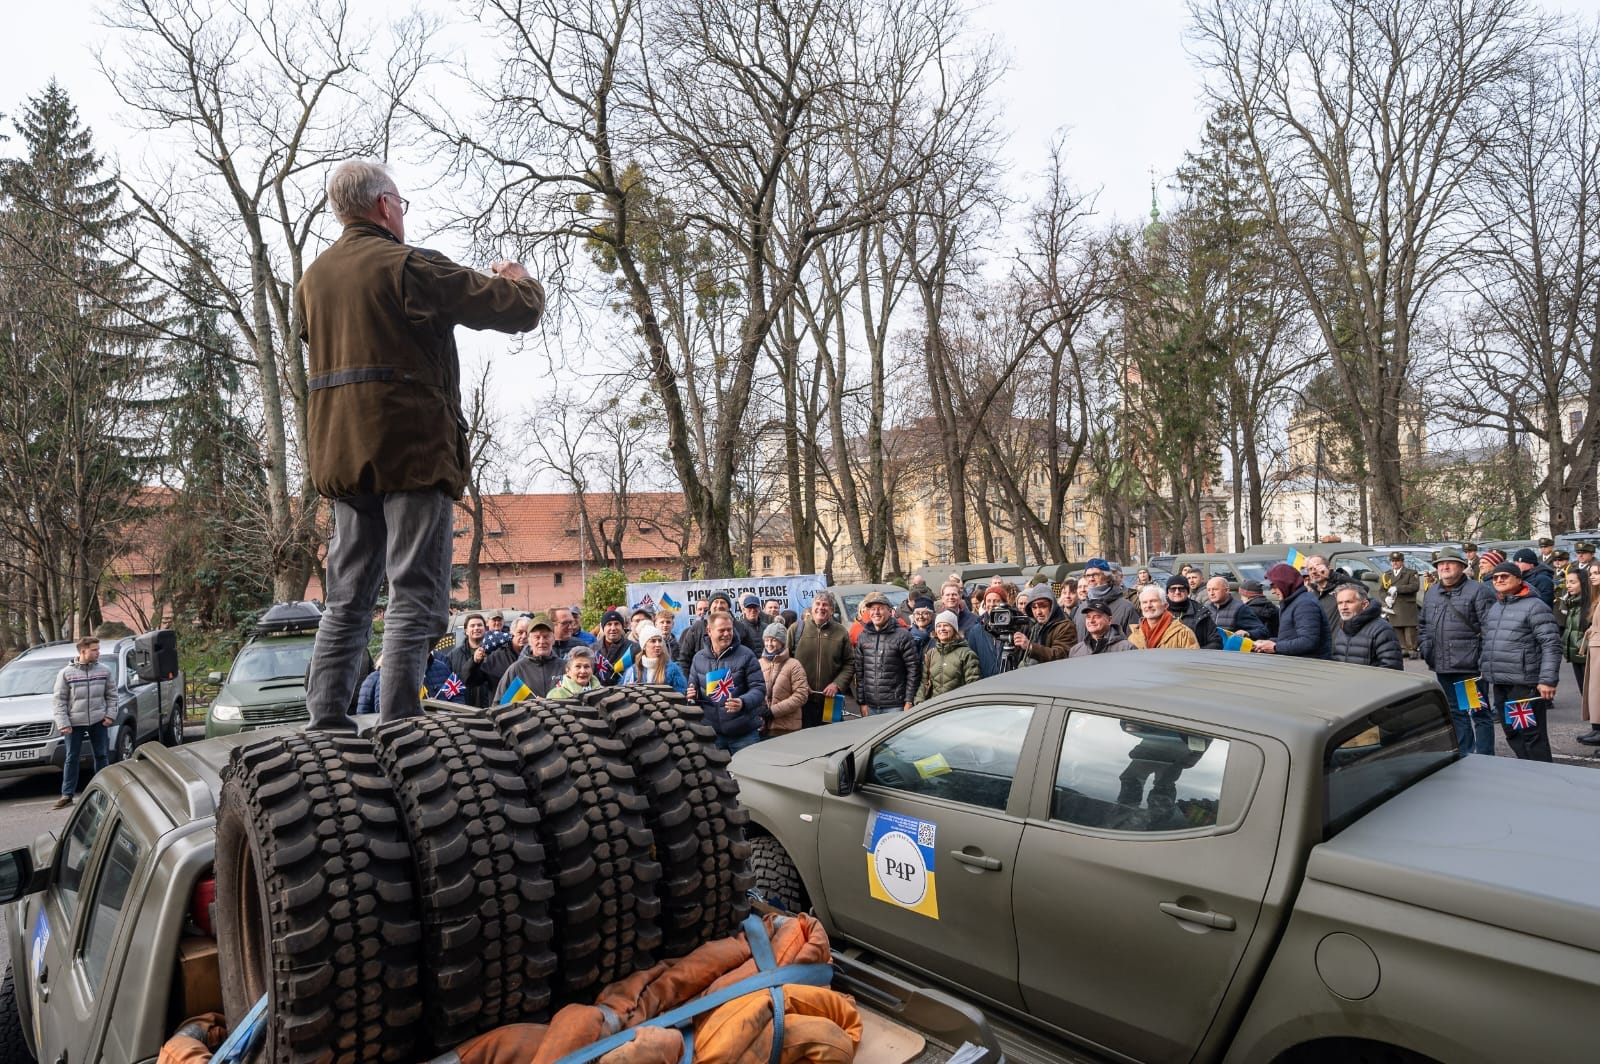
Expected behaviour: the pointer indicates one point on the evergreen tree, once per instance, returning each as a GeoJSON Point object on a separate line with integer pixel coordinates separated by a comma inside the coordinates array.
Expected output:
{"type": "Point", "coordinates": [72, 354]}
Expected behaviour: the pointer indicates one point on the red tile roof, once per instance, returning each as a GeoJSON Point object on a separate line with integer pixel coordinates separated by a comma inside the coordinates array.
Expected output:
{"type": "Point", "coordinates": [543, 527]}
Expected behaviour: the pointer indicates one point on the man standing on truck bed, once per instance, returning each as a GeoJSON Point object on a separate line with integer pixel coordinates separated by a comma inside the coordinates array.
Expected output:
{"type": "Point", "coordinates": [83, 711]}
{"type": "Point", "coordinates": [386, 439]}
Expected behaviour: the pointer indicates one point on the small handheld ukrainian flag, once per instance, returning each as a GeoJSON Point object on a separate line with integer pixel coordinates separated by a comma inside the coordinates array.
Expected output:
{"type": "Point", "coordinates": [1296, 560]}
{"type": "Point", "coordinates": [1238, 642]}
{"type": "Point", "coordinates": [833, 711]}
{"type": "Point", "coordinates": [623, 663]}
{"type": "Point", "coordinates": [1467, 696]}
{"type": "Point", "coordinates": [516, 691]}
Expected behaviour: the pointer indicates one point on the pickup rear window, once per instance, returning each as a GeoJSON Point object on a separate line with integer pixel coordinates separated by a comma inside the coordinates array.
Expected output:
{"type": "Point", "coordinates": [1371, 760]}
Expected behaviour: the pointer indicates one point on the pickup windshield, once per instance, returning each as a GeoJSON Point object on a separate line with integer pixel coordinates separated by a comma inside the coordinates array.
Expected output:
{"type": "Point", "coordinates": [1371, 760]}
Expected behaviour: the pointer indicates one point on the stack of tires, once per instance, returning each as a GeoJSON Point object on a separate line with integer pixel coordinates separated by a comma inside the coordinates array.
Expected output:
{"type": "Point", "coordinates": [396, 893]}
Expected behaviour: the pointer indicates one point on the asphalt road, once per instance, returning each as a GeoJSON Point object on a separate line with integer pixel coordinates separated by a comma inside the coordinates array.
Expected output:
{"type": "Point", "coordinates": [25, 804]}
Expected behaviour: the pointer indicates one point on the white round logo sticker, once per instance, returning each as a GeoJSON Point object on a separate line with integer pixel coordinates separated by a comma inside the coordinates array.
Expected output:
{"type": "Point", "coordinates": [898, 863]}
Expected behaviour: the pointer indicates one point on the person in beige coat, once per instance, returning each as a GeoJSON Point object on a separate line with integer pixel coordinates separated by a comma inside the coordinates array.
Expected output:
{"type": "Point", "coordinates": [1158, 629]}
{"type": "Point", "coordinates": [1591, 688]}
{"type": "Point", "coordinates": [787, 686]}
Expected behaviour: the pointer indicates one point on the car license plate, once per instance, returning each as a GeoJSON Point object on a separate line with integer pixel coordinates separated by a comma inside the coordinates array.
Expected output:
{"type": "Point", "coordinates": [27, 753]}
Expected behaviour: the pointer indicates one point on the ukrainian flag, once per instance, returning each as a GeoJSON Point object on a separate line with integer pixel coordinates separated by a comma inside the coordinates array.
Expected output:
{"type": "Point", "coordinates": [624, 663]}
{"type": "Point", "coordinates": [669, 602]}
{"type": "Point", "coordinates": [1467, 696]}
{"type": "Point", "coordinates": [516, 691]}
{"type": "Point", "coordinates": [1238, 641]}
{"type": "Point", "coordinates": [1295, 559]}
{"type": "Point", "coordinates": [833, 712]}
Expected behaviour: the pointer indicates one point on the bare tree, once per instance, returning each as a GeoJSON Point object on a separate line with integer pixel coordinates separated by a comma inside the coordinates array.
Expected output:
{"type": "Point", "coordinates": [1364, 121]}
{"type": "Point", "coordinates": [249, 102]}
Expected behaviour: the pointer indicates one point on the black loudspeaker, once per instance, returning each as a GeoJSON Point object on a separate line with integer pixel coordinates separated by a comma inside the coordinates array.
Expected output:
{"type": "Point", "coordinates": [155, 656]}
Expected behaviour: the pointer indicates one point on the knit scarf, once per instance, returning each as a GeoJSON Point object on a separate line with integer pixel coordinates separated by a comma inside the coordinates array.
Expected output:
{"type": "Point", "coordinates": [1152, 635]}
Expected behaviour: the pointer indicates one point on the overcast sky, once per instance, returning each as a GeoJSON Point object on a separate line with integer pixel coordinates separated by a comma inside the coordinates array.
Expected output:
{"type": "Point", "coordinates": [1114, 77]}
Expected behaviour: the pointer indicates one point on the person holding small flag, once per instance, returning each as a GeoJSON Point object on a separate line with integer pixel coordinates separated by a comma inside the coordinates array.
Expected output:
{"type": "Point", "coordinates": [615, 651]}
{"type": "Point", "coordinates": [787, 687]}
{"type": "Point", "coordinates": [654, 665]}
{"type": "Point", "coordinates": [726, 681]}
{"type": "Point", "coordinates": [469, 661]}
{"type": "Point", "coordinates": [1450, 640]}
{"type": "Point", "coordinates": [538, 669]}
{"type": "Point", "coordinates": [822, 647]}
{"type": "Point", "coordinates": [1302, 625]}
{"type": "Point", "coordinates": [949, 663]}
{"type": "Point", "coordinates": [1521, 662]}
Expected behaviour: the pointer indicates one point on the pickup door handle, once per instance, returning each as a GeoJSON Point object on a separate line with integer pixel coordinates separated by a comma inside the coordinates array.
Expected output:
{"type": "Point", "coordinates": [1210, 918]}
{"type": "Point", "coordinates": [977, 860]}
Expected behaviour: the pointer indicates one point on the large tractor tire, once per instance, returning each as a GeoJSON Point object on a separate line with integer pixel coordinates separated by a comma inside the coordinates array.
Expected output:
{"type": "Point", "coordinates": [13, 1043]}
{"type": "Point", "coordinates": [597, 848]}
{"type": "Point", "coordinates": [317, 901]}
{"type": "Point", "coordinates": [777, 880]}
{"type": "Point", "coordinates": [693, 811]}
{"type": "Point", "coordinates": [474, 832]}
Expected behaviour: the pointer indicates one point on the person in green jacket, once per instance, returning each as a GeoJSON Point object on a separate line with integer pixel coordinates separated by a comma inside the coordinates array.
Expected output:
{"type": "Point", "coordinates": [579, 676]}
{"type": "Point", "coordinates": [949, 663]}
{"type": "Point", "coordinates": [1575, 627]}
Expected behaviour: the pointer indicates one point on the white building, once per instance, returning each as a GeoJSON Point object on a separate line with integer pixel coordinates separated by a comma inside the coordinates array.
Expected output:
{"type": "Point", "coordinates": [1307, 508]}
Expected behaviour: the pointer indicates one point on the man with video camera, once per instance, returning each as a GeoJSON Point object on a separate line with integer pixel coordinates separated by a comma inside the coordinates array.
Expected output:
{"type": "Point", "coordinates": [1051, 634]}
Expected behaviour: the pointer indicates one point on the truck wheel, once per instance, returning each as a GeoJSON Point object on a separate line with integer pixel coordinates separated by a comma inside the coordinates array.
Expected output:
{"type": "Point", "coordinates": [693, 810]}
{"type": "Point", "coordinates": [13, 1045]}
{"type": "Point", "coordinates": [122, 744]}
{"type": "Point", "coordinates": [777, 880]}
{"type": "Point", "coordinates": [172, 726]}
{"type": "Point", "coordinates": [475, 839]}
{"type": "Point", "coordinates": [317, 900]}
{"type": "Point", "coordinates": [596, 843]}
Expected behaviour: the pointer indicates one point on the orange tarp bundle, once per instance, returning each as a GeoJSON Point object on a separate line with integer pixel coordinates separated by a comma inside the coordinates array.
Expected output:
{"type": "Point", "coordinates": [821, 1026]}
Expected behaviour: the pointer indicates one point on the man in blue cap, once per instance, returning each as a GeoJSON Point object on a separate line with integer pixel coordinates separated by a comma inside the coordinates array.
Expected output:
{"type": "Point", "coordinates": [1102, 587]}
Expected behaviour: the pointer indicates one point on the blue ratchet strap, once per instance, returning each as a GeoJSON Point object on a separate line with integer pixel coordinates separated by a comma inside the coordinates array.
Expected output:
{"type": "Point", "coordinates": [769, 979]}
{"type": "Point", "coordinates": [245, 1037]}
{"type": "Point", "coordinates": [755, 933]}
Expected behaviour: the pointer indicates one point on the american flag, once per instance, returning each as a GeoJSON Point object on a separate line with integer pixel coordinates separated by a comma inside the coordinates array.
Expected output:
{"type": "Point", "coordinates": [494, 640]}
{"type": "Point", "coordinates": [452, 687]}
{"type": "Point", "coordinates": [1520, 714]}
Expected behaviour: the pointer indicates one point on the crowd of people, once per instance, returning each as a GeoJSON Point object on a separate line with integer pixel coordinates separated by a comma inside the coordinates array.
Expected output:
{"type": "Point", "coordinates": [1493, 630]}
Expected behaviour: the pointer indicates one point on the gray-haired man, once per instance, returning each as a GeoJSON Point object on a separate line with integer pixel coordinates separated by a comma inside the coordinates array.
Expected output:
{"type": "Point", "coordinates": [386, 440]}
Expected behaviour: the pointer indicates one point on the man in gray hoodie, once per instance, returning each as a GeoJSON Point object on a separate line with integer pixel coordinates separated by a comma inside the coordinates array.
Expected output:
{"type": "Point", "coordinates": [83, 711]}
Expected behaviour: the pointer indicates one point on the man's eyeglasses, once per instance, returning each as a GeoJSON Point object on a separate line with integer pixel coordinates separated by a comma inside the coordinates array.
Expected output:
{"type": "Point", "coordinates": [405, 204]}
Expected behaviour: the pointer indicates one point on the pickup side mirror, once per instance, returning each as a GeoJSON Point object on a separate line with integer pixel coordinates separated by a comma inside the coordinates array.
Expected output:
{"type": "Point", "coordinates": [213, 677]}
{"type": "Point", "coordinates": [154, 656]}
{"type": "Point", "coordinates": [839, 775]}
{"type": "Point", "coordinates": [20, 875]}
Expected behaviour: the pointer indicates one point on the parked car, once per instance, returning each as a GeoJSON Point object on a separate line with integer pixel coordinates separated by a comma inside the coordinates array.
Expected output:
{"type": "Point", "coordinates": [266, 684]}
{"type": "Point", "coordinates": [1175, 857]}
{"type": "Point", "coordinates": [848, 596]}
{"type": "Point", "coordinates": [1250, 565]}
{"type": "Point", "coordinates": [969, 572]}
{"type": "Point", "coordinates": [29, 742]}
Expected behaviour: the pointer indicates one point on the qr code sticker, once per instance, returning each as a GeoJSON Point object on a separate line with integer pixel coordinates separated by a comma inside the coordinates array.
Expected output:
{"type": "Point", "coordinates": [925, 833]}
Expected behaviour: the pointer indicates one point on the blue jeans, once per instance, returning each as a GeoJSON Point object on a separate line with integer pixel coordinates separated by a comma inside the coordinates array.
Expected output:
{"type": "Point", "coordinates": [873, 711]}
{"type": "Point", "coordinates": [1475, 730]}
{"type": "Point", "coordinates": [733, 744]}
{"type": "Point", "coordinates": [99, 748]}
{"type": "Point", "coordinates": [405, 536]}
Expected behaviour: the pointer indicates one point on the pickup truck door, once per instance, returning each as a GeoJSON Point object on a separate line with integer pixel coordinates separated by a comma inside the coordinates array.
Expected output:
{"type": "Point", "coordinates": [1140, 878]}
{"type": "Point", "coordinates": [917, 862]}
{"type": "Point", "coordinates": [62, 1017]}
{"type": "Point", "coordinates": [146, 715]}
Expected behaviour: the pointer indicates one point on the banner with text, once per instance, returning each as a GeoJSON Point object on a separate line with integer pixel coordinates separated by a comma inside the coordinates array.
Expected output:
{"type": "Point", "coordinates": [794, 592]}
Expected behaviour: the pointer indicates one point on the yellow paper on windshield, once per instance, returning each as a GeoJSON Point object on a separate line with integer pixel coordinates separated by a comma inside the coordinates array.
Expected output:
{"type": "Point", "coordinates": [930, 767]}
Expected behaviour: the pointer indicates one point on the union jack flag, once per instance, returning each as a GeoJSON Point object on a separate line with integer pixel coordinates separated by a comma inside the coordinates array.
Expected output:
{"type": "Point", "coordinates": [1520, 714]}
{"type": "Point", "coordinates": [452, 687]}
{"type": "Point", "coordinates": [719, 684]}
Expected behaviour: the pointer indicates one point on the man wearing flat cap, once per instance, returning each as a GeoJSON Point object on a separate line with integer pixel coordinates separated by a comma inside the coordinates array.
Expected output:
{"type": "Point", "coordinates": [1400, 586]}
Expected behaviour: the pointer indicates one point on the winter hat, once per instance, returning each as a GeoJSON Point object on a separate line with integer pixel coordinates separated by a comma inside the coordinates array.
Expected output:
{"type": "Point", "coordinates": [1525, 556]}
{"type": "Point", "coordinates": [648, 632]}
{"type": "Point", "coordinates": [1509, 568]}
{"type": "Point", "coordinates": [613, 615]}
{"type": "Point", "coordinates": [1178, 581]}
{"type": "Point", "coordinates": [1285, 579]}
{"type": "Point", "coordinates": [723, 595]}
{"type": "Point", "coordinates": [776, 631]}
{"type": "Point", "coordinates": [1252, 587]}
{"type": "Point", "coordinates": [922, 602]}
{"type": "Point", "coordinates": [1493, 557]}
{"type": "Point", "coordinates": [946, 617]}
{"type": "Point", "coordinates": [1097, 563]}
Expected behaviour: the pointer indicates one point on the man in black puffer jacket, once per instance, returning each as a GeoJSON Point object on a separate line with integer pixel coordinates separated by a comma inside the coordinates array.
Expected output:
{"type": "Point", "coordinates": [888, 667]}
{"type": "Point", "coordinates": [1194, 616]}
{"type": "Point", "coordinates": [1537, 575]}
{"type": "Point", "coordinates": [1254, 595]}
{"type": "Point", "coordinates": [1450, 639]}
{"type": "Point", "coordinates": [1521, 662]}
{"type": "Point", "coordinates": [1362, 636]}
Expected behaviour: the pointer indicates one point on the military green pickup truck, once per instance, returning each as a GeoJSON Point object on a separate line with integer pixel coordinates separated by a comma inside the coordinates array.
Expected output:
{"type": "Point", "coordinates": [1191, 856]}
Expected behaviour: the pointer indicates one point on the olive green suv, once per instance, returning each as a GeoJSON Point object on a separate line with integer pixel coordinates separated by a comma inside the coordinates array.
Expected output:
{"type": "Point", "coordinates": [266, 685]}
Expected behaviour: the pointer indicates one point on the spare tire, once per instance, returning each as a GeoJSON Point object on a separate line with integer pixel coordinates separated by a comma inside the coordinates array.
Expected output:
{"type": "Point", "coordinates": [475, 838]}
{"type": "Point", "coordinates": [777, 880]}
{"type": "Point", "coordinates": [597, 848]}
{"type": "Point", "coordinates": [317, 901]}
{"type": "Point", "coordinates": [693, 811]}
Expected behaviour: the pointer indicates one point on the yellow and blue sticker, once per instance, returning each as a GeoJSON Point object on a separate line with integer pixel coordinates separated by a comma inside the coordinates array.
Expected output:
{"type": "Point", "coordinates": [900, 852]}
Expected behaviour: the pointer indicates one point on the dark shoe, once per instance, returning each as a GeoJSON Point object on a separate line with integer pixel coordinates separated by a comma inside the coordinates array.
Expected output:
{"type": "Point", "coordinates": [1591, 738]}
{"type": "Point", "coordinates": [62, 802]}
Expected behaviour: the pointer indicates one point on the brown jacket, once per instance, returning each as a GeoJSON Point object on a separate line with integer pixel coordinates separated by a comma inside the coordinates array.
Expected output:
{"type": "Point", "coordinates": [384, 402]}
{"type": "Point", "coordinates": [787, 691]}
{"type": "Point", "coordinates": [1176, 637]}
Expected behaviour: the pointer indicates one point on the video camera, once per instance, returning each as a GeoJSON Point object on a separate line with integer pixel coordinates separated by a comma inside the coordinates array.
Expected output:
{"type": "Point", "coordinates": [1005, 620]}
